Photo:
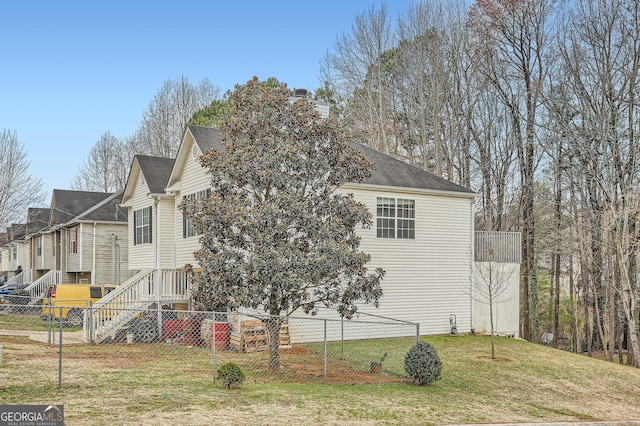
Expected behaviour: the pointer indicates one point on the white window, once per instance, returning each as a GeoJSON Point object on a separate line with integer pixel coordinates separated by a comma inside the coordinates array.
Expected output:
{"type": "Point", "coordinates": [188, 228]}
{"type": "Point", "coordinates": [39, 246]}
{"type": "Point", "coordinates": [73, 240]}
{"type": "Point", "coordinates": [142, 226]}
{"type": "Point", "coordinates": [395, 218]}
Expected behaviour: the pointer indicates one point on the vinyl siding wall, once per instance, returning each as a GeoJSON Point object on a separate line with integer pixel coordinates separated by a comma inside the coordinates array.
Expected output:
{"type": "Point", "coordinates": [107, 260]}
{"type": "Point", "coordinates": [141, 255]}
{"type": "Point", "coordinates": [426, 278]}
{"type": "Point", "coordinates": [506, 306]}
{"type": "Point", "coordinates": [193, 179]}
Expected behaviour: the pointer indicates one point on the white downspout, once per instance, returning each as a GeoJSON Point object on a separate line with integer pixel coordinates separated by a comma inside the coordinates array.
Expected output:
{"type": "Point", "coordinates": [472, 267]}
{"type": "Point", "coordinates": [93, 255]}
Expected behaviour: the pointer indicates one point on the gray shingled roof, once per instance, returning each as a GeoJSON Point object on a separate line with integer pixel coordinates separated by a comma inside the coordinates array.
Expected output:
{"type": "Point", "coordinates": [392, 172]}
{"type": "Point", "coordinates": [207, 138]}
{"type": "Point", "coordinates": [389, 171]}
{"type": "Point", "coordinates": [156, 171]}
{"type": "Point", "coordinates": [67, 204]}
{"type": "Point", "coordinates": [107, 210]}
{"type": "Point", "coordinates": [37, 219]}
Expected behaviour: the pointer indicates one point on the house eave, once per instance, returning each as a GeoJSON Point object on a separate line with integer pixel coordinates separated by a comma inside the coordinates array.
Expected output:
{"type": "Point", "coordinates": [388, 188]}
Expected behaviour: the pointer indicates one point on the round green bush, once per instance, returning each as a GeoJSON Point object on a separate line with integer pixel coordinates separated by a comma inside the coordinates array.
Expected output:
{"type": "Point", "coordinates": [422, 364]}
{"type": "Point", "coordinates": [231, 375]}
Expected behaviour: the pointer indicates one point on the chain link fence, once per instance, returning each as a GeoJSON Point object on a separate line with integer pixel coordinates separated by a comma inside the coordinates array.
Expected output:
{"type": "Point", "coordinates": [79, 344]}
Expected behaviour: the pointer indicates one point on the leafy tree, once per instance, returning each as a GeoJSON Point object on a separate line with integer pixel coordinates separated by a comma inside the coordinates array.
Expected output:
{"type": "Point", "coordinates": [18, 188]}
{"type": "Point", "coordinates": [276, 234]}
{"type": "Point", "coordinates": [211, 114]}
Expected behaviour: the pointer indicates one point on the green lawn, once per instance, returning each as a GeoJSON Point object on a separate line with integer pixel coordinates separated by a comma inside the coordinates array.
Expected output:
{"type": "Point", "coordinates": [160, 384]}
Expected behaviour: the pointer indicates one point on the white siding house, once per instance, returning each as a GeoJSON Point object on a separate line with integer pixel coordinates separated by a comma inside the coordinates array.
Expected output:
{"type": "Point", "coordinates": [423, 233]}
{"type": "Point", "coordinates": [189, 179]}
{"type": "Point", "coordinates": [151, 214]}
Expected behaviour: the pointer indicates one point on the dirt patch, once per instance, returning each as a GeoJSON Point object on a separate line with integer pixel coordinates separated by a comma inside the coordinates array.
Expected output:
{"type": "Point", "coordinates": [496, 359]}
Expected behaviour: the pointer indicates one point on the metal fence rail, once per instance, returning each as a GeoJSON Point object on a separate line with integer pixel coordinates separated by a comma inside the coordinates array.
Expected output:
{"type": "Point", "coordinates": [163, 341]}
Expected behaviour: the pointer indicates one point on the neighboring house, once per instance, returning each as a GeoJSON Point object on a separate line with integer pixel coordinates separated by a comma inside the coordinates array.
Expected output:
{"type": "Point", "coordinates": [150, 209]}
{"type": "Point", "coordinates": [39, 242]}
{"type": "Point", "coordinates": [18, 249]}
{"type": "Point", "coordinates": [4, 256]}
{"type": "Point", "coordinates": [189, 179]}
{"type": "Point", "coordinates": [423, 233]}
{"type": "Point", "coordinates": [90, 234]}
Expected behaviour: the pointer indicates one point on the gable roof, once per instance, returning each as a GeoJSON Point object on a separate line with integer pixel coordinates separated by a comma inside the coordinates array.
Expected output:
{"type": "Point", "coordinates": [204, 138]}
{"type": "Point", "coordinates": [392, 172]}
{"type": "Point", "coordinates": [108, 210]}
{"type": "Point", "coordinates": [389, 171]}
{"type": "Point", "coordinates": [37, 219]}
{"type": "Point", "coordinates": [207, 138]}
{"type": "Point", "coordinates": [67, 205]}
{"type": "Point", "coordinates": [156, 171]}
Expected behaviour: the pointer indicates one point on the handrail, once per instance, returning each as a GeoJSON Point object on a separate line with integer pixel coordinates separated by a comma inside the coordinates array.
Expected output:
{"type": "Point", "coordinates": [23, 277]}
{"type": "Point", "coordinates": [138, 293]}
{"type": "Point", "coordinates": [39, 286]}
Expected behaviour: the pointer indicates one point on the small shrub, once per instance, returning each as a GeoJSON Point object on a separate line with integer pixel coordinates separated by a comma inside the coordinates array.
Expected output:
{"type": "Point", "coordinates": [422, 364]}
{"type": "Point", "coordinates": [231, 375]}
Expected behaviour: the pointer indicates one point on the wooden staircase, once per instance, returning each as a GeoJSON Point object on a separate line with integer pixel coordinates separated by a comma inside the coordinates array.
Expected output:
{"type": "Point", "coordinates": [148, 287]}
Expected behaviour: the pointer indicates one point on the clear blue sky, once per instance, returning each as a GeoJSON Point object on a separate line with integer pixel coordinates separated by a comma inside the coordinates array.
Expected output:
{"type": "Point", "coordinates": [72, 70]}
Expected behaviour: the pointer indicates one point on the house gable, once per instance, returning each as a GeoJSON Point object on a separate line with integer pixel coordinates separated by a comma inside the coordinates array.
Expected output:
{"type": "Point", "coordinates": [145, 196]}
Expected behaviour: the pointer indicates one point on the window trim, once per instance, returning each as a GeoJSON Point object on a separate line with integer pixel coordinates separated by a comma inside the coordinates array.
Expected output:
{"type": "Point", "coordinates": [73, 240]}
{"type": "Point", "coordinates": [188, 228]}
{"type": "Point", "coordinates": [145, 227]}
{"type": "Point", "coordinates": [395, 218]}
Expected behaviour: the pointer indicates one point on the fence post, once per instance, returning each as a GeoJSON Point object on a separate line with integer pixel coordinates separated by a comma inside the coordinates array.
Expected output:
{"type": "Point", "coordinates": [417, 333]}
{"type": "Point", "coordinates": [90, 320]}
{"type": "Point", "coordinates": [213, 347]}
{"type": "Point", "coordinates": [342, 336]}
{"type": "Point", "coordinates": [50, 317]}
{"type": "Point", "coordinates": [325, 348]}
{"type": "Point", "coordinates": [60, 353]}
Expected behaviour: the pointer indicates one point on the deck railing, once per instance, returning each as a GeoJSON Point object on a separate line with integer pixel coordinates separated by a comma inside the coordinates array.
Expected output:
{"type": "Point", "coordinates": [501, 247]}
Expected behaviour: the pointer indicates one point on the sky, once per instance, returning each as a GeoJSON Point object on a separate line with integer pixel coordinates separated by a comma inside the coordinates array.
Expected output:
{"type": "Point", "coordinates": [72, 70]}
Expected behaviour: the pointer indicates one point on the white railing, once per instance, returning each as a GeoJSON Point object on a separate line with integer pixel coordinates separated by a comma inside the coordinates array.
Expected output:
{"type": "Point", "coordinates": [37, 288]}
{"type": "Point", "coordinates": [138, 293]}
{"type": "Point", "coordinates": [494, 246]}
{"type": "Point", "coordinates": [23, 277]}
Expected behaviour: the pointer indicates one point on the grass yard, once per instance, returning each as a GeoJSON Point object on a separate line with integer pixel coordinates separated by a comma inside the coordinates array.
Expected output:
{"type": "Point", "coordinates": [159, 384]}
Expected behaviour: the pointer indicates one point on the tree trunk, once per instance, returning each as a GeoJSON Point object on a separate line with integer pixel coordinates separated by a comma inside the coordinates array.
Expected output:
{"type": "Point", "coordinates": [273, 329]}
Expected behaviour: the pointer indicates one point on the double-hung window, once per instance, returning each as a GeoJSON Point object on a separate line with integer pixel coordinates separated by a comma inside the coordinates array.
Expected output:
{"type": "Point", "coordinates": [188, 228]}
{"type": "Point", "coordinates": [39, 246]}
{"type": "Point", "coordinates": [395, 218]}
{"type": "Point", "coordinates": [142, 220]}
{"type": "Point", "coordinates": [73, 240]}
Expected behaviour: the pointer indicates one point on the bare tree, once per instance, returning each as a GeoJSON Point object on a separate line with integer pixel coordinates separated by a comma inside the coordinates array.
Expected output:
{"type": "Point", "coordinates": [513, 38]}
{"type": "Point", "coordinates": [491, 282]}
{"type": "Point", "coordinates": [106, 168]}
{"type": "Point", "coordinates": [19, 189]}
{"type": "Point", "coordinates": [167, 115]}
{"type": "Point", "coordinates": [359, 71]}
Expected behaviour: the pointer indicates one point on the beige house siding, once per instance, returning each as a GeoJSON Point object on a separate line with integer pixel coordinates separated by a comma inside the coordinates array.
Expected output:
{"type": "Point", "coordinates": [141, 255]}
{"type": "Point", "coordinates": [432, 270]}
{"type": "Point", "coordinates": [161, 251]}
{"type": "Point", "coordinates": [165, 232]}
{"type": "Point", "coordinates": [4, 259]}
{"type": "Point", "coordinates": [74, 260]}
{"type": "Point", "coordinates": [110, 237]}
{"type": "Point", "coordinates": [193, 178]}
{"type": "Point", "coordinates": [48, 252]}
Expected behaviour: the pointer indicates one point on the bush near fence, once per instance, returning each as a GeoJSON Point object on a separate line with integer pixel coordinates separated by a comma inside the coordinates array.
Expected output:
{"type": "Point", "coordinates": [167, 341]}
